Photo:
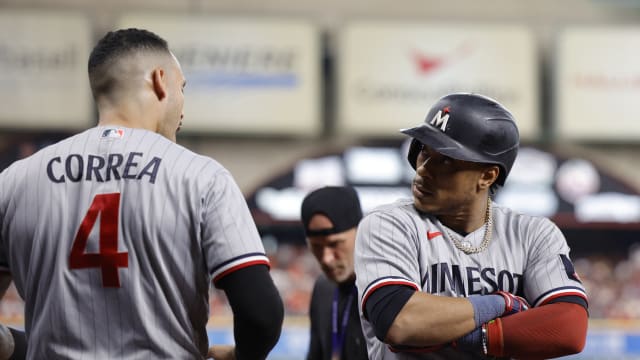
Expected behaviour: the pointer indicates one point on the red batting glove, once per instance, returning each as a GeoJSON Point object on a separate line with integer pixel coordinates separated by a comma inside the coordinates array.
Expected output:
{"type": "Point", "coordinates": [512, 303]}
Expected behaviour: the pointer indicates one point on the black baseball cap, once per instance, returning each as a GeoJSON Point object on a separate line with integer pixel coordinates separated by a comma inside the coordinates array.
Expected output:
{"type": "Point", "coordinates": [338, 203]}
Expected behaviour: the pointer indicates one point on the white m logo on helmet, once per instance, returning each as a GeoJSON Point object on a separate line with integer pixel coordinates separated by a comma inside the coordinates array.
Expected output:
{"type": "Point", "coordinates": [439, 120]}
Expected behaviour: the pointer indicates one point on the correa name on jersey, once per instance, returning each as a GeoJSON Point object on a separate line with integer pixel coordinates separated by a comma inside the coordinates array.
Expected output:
{"type": "Point", "coordinates": [77, 167]}
{"type": "Point", "coordinates": [470, 280]}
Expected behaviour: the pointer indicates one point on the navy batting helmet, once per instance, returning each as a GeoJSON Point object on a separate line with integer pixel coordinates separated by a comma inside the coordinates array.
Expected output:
{"type": "Point", "coordinates": [468, 127]}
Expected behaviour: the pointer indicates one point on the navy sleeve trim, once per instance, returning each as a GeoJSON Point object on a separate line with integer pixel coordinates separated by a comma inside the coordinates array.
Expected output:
{"type": "Point", "coordinates": [384, 305]}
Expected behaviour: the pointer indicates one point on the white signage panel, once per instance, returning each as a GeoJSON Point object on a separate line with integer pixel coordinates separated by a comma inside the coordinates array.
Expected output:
{"type": "Point", "coordinates": [44, 82]}
{"type": "Point", "coordinates": [391, 73]}
{"type": "Point", "coordinates": [598, 84]}
{"type": "Point", "coordinates": [244, 75]}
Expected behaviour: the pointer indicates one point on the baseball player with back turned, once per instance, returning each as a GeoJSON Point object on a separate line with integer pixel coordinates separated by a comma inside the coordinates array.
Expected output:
{"type": "Point", "coordinates": [113, 236]}
{"type": "Point", "coordinates": [449, 274]}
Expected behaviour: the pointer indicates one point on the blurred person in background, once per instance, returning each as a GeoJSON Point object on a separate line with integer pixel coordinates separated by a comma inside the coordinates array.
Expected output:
{"type": "Point", "coordinates": [330, 216]}
{"type": "Point", "coordinates": [448, 274]}
{"type": "Point", "coordinates": [114, 236]}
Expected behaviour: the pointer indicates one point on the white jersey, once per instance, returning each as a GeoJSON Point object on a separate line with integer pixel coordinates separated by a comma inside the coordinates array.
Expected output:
{"type": "Point", "coordinates": [113, 237]}
{"type": "Point", "coordinates": [396, 245]}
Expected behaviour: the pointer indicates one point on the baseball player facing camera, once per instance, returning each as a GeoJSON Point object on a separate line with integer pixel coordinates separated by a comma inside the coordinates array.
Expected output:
{"type": "Point", "coordinates": [449, 274]}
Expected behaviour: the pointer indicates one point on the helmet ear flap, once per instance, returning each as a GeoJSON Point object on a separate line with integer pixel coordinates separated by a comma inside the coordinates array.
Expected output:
{"type": "Point", "coordinates": [414, 150]}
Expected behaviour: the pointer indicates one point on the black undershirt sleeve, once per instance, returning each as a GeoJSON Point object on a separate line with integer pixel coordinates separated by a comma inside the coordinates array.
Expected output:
{"type": "Point", "coordinates": [383, 305]}
{"type": "Point", "coordinates": [572, 299]}
{"type": "Point", "coordinates": [257, 308]}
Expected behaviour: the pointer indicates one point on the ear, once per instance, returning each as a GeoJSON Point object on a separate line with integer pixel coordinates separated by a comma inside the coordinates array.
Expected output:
{"type": "Point", "coordinates": [488, 176]}
{"type": "Point", "coordinates": [158, 78]}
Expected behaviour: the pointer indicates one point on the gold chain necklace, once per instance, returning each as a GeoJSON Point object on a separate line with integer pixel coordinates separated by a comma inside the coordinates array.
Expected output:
{"type": "Point", "coordinates": [466, 246]}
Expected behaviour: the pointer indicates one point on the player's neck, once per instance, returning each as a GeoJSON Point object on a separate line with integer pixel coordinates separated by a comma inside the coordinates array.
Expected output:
{"type": "Point", "coordinates": [126, 117]}
{"type": "Point", "coordinates": [467, 219]}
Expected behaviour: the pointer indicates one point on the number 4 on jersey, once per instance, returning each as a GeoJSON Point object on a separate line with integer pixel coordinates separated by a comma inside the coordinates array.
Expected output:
{"type": "Point", "coordinates": [109, 259]}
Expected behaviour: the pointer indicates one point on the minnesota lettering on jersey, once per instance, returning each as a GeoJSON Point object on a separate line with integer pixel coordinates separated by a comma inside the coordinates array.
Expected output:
{"type": "Point", "coordinates": [75, 168]}
{"type": "Point", "coordinates": [444, 277]}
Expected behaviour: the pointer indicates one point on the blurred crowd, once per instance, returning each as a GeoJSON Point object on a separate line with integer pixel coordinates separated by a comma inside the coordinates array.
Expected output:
{"type": "Point", "coordinates": [612, 283]}
{"type": "Point", "coordinates": [294, 271]}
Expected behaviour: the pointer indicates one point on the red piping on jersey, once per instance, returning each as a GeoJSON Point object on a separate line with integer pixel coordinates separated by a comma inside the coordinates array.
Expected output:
{"type": "Point", "coordinates": [240, 266]}
{"type": "Point", "coordinates": [386, 283]}
{"type": "Point", "coordinates": [431, 235]}
{"type": "Point", "coordinates": [572, 293]}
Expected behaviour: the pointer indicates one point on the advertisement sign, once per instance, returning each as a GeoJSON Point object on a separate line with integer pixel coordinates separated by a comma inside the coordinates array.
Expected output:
{"type": "Point", "coordinates": [598, 84]}
{"type": "Point", "coordinates": [43, 82]}
{"type": "Point", "coordinates": [391, 73]}
{"type": "Point", "coordinates": [244, 75]}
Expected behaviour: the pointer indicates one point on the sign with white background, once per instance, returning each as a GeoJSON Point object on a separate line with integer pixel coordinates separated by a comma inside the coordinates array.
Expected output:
{"type": "Point", "coordinates": [390, 74]}
{"type": "Point", "coordinates": [598, 84]}
{"type": "Point", "coordinates": [44, 82]}
{"type": "Point", "coordinates": [244, 75]}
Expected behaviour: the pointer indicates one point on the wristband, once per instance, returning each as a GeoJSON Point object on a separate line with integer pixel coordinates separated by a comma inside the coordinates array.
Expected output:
{"type": "Point", "coordinates": [486, 307]}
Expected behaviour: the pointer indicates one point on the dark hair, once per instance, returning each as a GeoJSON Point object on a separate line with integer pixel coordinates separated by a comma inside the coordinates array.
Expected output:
{"type": "Point", "coordinates": [115, 45]}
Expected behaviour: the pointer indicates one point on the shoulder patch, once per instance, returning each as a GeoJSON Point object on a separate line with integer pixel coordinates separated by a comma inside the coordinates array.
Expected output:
{"type": "Point", "coordinates": [568, 267]}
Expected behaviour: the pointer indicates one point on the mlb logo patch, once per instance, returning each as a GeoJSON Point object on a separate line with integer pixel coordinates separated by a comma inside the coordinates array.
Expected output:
{"type": "Point", "coordinates": [113, 133]}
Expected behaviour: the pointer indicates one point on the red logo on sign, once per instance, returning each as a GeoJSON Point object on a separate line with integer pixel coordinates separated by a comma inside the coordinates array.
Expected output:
{"type": "Point", "coordinates": [426, 64]}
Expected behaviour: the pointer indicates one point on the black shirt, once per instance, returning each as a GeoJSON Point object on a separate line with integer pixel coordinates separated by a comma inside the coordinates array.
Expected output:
{"type": "Point", "coordinates": [320, 314]}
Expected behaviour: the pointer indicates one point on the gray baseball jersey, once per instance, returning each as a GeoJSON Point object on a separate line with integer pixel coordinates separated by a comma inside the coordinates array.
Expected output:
{"type": "Point", "coordinates": [395, 244]}
{"type": "Point", "coordinates": [113, 237]}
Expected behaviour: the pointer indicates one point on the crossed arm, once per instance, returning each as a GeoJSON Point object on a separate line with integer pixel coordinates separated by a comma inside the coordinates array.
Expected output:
{"type": "Point", "coordinates": [405, 317]}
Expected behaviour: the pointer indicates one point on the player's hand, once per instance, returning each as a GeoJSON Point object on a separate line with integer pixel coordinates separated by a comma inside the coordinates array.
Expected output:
{"type": "Point", "coordinates": [513, 304]}
{"type": "Point", "coordinates": [222, 352]}
{"type": "Point", "coordinates": [6, 343]}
